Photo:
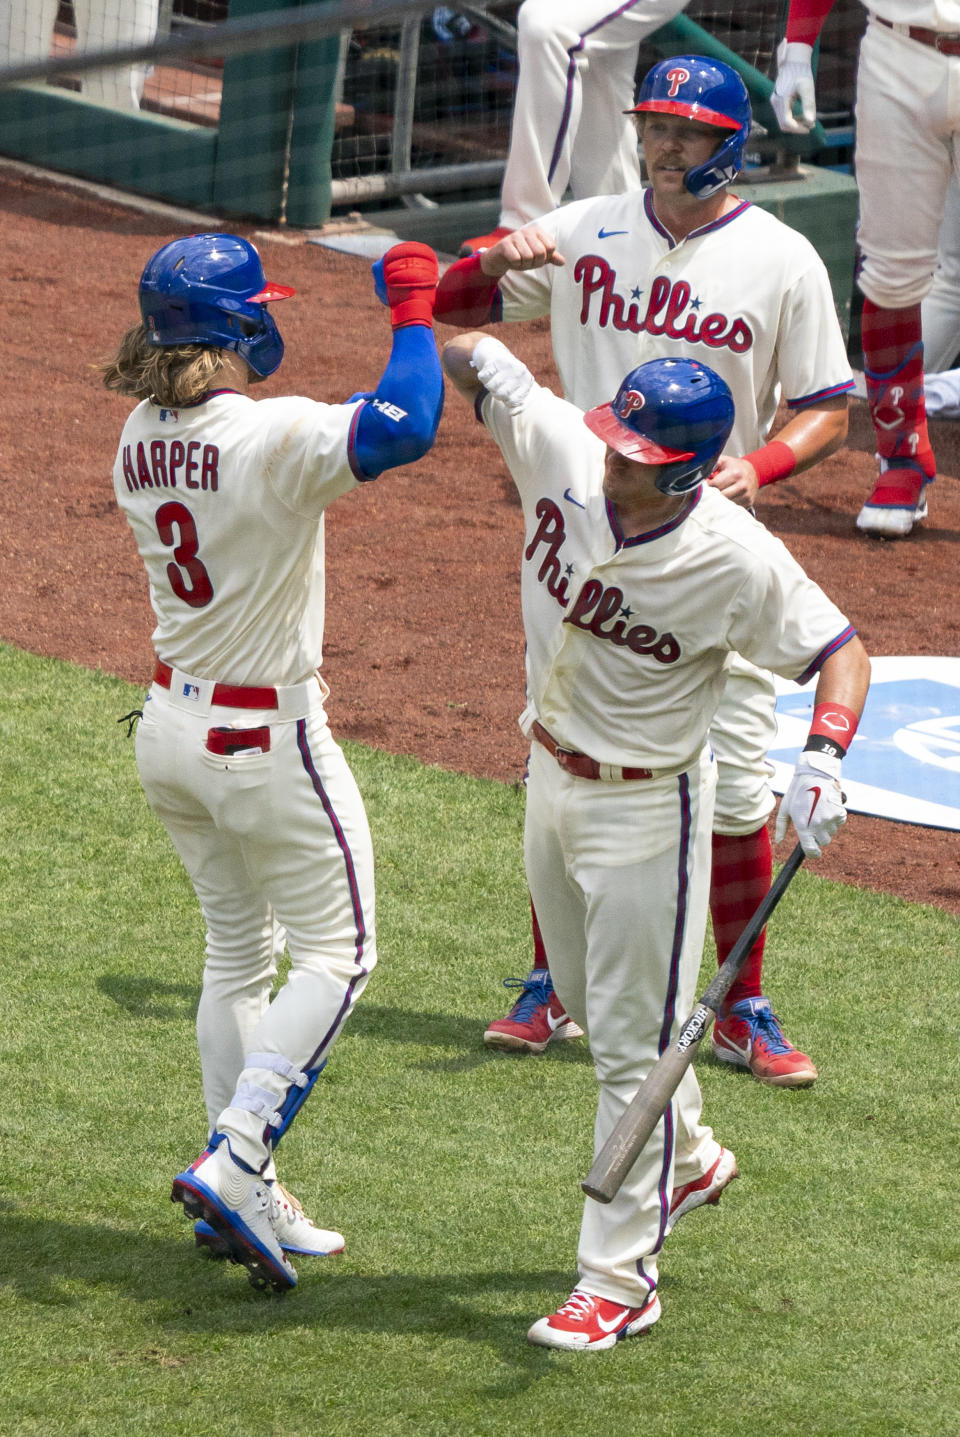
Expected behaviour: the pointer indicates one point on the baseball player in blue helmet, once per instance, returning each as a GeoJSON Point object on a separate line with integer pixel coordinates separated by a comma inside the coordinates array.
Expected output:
{"type": "Point", "coordinates": [710, 93]}
{"type": "Point", "coordinates": [687, 269]}
{"type": "Point", "coordinates": [674, 413]}
{"type": "Point", "coordinates": [638, 582]}
{"type": "Point", "coordinates": [226, 497]}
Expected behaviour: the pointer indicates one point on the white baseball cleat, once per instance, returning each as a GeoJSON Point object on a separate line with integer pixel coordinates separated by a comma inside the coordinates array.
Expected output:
{"type": "Point", "coordinates": [296, 1232]}
{"type": "Point", "coordinates": [703, 1191]}
{"type": "Point", "coordinates": [237, 1205]}
{"type": "Point", "coordinates": [897, 503]}
{"type": "Point", "coordinates": [587, 1323]}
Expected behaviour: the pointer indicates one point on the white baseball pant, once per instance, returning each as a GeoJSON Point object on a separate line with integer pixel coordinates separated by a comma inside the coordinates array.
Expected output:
{"type": "Point", "coordinates": [908, 129]}
{"type": "Point", "coordinates": [577, 63]}
{"type": "Point", "coordinates": [620, 876]}
{"type": "Point", "coordinates": [267, 838]}
{"type": "Point", "coordinates": [26, 32]}
{"type": "Point", "coordinates": [940, 311]}
{"type": "Point", "coordinates": [742, 732]}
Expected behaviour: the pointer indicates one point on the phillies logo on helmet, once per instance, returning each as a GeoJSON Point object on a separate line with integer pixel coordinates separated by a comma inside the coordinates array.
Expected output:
{"type": "Point", "coordinates": [631, 400]}
{"type": "Point", "coordinates": [677, 77]}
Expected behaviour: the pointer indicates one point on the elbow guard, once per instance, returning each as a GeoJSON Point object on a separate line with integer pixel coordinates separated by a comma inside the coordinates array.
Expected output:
{"type": "Point", "coordinates": [398, 423]}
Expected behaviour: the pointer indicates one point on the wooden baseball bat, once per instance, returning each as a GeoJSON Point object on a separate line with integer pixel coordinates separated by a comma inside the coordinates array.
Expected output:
{"type": "Point", "coordinates": [633, 1131]}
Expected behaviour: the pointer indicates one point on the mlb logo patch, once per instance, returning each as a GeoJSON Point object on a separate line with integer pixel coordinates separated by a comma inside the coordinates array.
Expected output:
{"type": "Point", "coordinates": [904, 761]}
{"type": "Point", "coordinates": [169, 416]}
{"type": "Point", "coordinates": [191, 691]}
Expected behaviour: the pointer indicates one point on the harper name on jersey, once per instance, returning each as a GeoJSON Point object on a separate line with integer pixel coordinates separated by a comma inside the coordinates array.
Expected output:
{"type": "Point", "coordinates": [158, 463]}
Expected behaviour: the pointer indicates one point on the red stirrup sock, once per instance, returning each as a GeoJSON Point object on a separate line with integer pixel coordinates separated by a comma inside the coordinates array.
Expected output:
{"type": "Point", "coordinates": [740, 879]}
{"type": "Point", "coordinates": [893, 370]}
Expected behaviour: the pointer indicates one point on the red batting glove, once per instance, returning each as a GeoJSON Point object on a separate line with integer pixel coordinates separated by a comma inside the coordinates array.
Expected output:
{"type": "Point", "coordinates": [410, 276]}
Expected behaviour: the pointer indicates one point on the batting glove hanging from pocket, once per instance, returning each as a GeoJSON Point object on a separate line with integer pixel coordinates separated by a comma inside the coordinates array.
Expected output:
{"type": "Point", "coordinates": [814, 802]}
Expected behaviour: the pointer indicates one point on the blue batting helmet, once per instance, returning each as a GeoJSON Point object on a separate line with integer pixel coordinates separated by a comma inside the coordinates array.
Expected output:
{"type": "Point", "coordinates": [210, 289]}
{"type": "Point", "coordinates": [673, 412]}
{"type": "Point", "coordinates": [714, 94]}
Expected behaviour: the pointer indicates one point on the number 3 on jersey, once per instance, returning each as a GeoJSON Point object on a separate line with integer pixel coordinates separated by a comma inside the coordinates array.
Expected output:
{"type": "Point", "coordinates": [176, 528]}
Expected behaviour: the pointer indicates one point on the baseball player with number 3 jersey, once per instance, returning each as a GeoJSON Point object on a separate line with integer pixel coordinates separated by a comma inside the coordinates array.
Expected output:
{"type": "Point", "coordinates": [685, 269]}
{"type": "Point", "coordinates": [638, 581]}
{"type": "Point", "coordinates": [226, 499]}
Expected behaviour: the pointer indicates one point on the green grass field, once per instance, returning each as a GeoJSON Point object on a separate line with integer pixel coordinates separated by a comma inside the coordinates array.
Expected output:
{"type": "Point", "coordinates": [821, 1296]}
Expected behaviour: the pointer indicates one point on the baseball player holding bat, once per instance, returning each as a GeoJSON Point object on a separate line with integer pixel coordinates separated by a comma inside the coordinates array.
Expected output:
{"type": "Point", "coordinates": [226, 498]}
{"type": "Point", "coordinates": [907, 147]}
{"type": "Point", "coordinates": [686, 269]}
{"type": "Point", "coordinates": [638, 581]}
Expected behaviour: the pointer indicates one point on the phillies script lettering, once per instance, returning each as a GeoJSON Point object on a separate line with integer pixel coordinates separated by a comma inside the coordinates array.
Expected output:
{"type": "Point", "coordinates": [666, 311]}
{"type": "Point", "coordinates": [595, 607]}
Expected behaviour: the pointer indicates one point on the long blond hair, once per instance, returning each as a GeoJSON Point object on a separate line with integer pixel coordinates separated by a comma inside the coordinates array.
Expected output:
{"type": "Point", "coordinates": [173, 376]}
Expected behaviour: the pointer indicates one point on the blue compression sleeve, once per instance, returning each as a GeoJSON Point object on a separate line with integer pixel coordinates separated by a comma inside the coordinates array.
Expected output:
{"type": "Point", "coordinates": [398, 423]}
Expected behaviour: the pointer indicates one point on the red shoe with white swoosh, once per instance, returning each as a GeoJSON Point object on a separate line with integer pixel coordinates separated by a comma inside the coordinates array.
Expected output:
{"type": "Point", "coordinates": [750, 1036]}
{"type": "Point", "coordinates": [586, 1322]}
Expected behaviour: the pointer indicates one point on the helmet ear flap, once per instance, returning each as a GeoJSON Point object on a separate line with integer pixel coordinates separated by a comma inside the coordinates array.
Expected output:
{"type": "Point", "coordinates": [720, 170]}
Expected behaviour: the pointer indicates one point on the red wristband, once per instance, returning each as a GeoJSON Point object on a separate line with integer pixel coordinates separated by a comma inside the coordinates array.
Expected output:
{"type": "Point", "coordinates": [774, 461]}
{"type": "Point", "coordinates": [833, 727]}
{"type": "Point", "coordinates": [465, 295]}
{"type": "Point", "coordinates": [415, 308]}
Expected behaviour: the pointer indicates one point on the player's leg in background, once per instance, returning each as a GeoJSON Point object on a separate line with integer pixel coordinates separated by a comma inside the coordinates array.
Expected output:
{"type": "Point", "coordinates": [26, 30]}
{"type": "Point", "coordinates": [602, 156]}
{"type": "Point", "coordinates": [747, 1032]}
{"type": "Point", "coordinates": [109, 25]}
{"type": "Point", "coordinates": [537, 1015]}
{"type": "Point", "coordinates": [559, 43]}
{"type": "Point", "coordinates": [904, 144]}
{"type": "Point", "coordinates": [940, 310]}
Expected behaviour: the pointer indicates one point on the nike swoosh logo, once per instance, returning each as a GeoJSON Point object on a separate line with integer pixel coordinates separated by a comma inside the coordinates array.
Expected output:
{"type": "Point", "coordinates": [556, 1023]}
{"type": "Point", "coordinates": [734, 1047]}
{"type": "Point", "coordinates": [813, 806]}
{"type": "Point", "coordinates": [611, 1325]}
{"type": "Point", "coordinates": [570, 499]}
{"type": "Point", "coordinates": [605, 234]}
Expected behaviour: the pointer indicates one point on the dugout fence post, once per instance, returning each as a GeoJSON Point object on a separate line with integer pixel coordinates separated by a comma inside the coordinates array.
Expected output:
{"type": "Point", "coordinates": [277, 116]}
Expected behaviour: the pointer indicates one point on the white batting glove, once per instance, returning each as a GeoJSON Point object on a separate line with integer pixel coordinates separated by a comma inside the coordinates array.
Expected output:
{"type": "Point", "coordinates": [501, 373]}
{"type": "Point", "coordinates": [813, 803]}
{"type": "Point", "coordinates": [794, 82]}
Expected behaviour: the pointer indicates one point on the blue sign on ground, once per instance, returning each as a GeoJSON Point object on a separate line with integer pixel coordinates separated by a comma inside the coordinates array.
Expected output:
{"type": "Point", "coordinates": [904, 762]}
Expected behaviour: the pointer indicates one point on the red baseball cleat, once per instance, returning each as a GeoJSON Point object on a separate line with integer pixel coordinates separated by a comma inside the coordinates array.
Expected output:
{"type": "Point", "coordinates": [536, 1018]}
{"type": "Point", "coordinates": [479, 242]}
{"type": "Point", "coordinates": [703, 1191]}
{"type": "Point", "coordinates": [897, 503]}
{"type": "Point", "coordinates": [750, 1036]}
{"type": "Point", "coordinates": [586, 1323]}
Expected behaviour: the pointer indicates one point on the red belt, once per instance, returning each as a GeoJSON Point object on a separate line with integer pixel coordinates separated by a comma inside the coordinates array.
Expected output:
{"type": "Point", "coordinates": [229, 696]}
{"type": "Point", "coordinates": [946, 43]}
{"type": "Point", "coordinates": [579, 764]}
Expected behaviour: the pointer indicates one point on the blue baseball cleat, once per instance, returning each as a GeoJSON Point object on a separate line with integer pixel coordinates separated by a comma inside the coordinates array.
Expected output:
{"type": "Point", "coordinates": [236, 1204]}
